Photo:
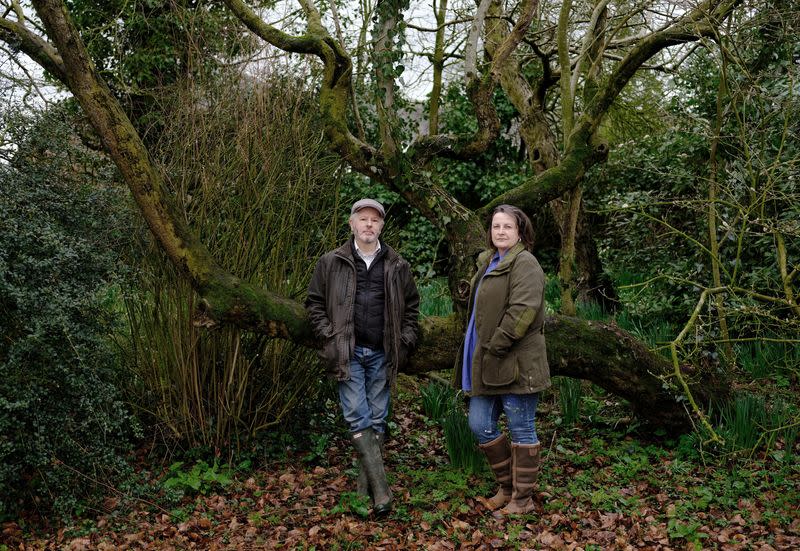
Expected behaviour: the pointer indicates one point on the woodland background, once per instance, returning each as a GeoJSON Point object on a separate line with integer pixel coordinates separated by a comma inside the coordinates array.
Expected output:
{"type": "Point", "coordinates": [160, 216]}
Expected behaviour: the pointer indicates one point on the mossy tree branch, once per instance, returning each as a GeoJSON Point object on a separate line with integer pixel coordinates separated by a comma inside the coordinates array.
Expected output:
{"type": "Point", "coordinates": [225, 298]}
{"type": "Point", "coordinates": [582, 149]}
{"type": "Point", "coordinates": [18, 36]}
{"type": "Point", "coordinates": [601, 353]}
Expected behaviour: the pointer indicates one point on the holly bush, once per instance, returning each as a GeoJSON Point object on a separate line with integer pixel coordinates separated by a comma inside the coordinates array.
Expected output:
{"type": "Point", "coordinates": [64, 425]}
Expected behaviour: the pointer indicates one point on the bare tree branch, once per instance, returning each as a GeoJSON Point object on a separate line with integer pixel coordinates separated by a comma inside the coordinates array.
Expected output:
{"type": "Point", "coordinates": [580, 152]}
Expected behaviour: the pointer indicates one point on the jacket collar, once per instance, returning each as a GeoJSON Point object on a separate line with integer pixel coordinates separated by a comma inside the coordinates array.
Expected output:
{"type": "Point", "coordinates": [505, 263]}
{"type": "Point", "coordinates": [347, 250]}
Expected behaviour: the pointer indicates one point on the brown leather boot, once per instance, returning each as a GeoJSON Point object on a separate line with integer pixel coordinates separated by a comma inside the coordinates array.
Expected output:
{"type": "Point", "coordinates": [498, 453]}
{"type": "Point", "coordinates": [525, 472]}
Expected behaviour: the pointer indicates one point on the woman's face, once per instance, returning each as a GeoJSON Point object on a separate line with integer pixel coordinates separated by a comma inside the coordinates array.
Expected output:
{"type": "Point", "coordinates": [505, 233]}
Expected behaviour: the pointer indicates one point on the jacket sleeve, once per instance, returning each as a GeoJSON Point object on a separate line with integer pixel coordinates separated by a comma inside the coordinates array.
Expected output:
{"type": "Point", "coordinates": [410, 328]}
{"type": "Point", "coordinates": [316, 301]}
{"type": "Point", "coordinates": [526, 291]}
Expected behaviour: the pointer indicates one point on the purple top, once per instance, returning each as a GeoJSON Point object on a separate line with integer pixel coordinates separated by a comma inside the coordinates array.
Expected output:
{"type": "Point", "coordinates": [471, 337]}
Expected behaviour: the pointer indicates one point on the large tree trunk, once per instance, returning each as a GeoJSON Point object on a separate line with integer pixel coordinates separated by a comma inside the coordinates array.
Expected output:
{"type": "Point", "coordinates": [598, 352]}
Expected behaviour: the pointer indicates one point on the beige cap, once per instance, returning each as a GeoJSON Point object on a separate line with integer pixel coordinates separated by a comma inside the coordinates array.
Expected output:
{"type": "Point", "coordinates": [368, 203]}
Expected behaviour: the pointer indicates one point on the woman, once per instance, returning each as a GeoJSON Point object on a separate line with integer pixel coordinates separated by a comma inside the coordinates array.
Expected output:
{"type": "Point", "coordinates": [503, 363]}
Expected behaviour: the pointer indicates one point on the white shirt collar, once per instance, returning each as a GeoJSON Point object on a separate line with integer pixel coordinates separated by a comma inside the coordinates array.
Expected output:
{"type": "Point", "coordinates": [362, 253]}
{"type": "Point", "coordinates": [367, 258]}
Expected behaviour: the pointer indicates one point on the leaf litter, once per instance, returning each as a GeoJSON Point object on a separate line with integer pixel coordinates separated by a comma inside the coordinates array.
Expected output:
{"type": "Point", "coordinates": [592, 496]}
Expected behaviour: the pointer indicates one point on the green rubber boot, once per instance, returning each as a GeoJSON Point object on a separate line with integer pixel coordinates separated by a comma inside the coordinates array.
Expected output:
{"type": "Point", "coordinates": [369, 453]}
{"type": "Point", "coordinates": [362, 483]}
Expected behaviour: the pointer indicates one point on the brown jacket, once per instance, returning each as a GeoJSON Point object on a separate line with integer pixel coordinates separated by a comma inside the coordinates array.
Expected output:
{"type": "Point", "coordinates": [331, 295]}
{"type": "Point", "coordinates": [510, 356]}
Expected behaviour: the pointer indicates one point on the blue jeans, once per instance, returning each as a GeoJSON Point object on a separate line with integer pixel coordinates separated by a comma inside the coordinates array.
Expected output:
{"type": "Point", "coordinates": [520, 409]}
{"type": "Point", "coordinates": [365, 397]}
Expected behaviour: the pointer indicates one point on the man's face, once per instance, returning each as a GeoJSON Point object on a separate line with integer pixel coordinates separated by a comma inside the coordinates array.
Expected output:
{"type": "Point", "coordinates": [366, 225]}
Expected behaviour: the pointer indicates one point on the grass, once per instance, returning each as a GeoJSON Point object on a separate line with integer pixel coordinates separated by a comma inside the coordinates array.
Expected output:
{"type": "Point", "coordinates": [591, 310]}
{"type": "Point", "coordinates": [440, 404]}
{"type": "Point", "coordinates": [437, 400]}
{"type": "Point", "coordinates": [435, 298]}
{"type": "Point", "coordinates": [749, 424]}
{"type": "Point", "coordinates": [758, 359]}
{"type": "Point", "coordinates": [765, 359]}
{"type": "Point", "coordinates": [743, 421]}
{"type": "Point", "coordinates": [570, 392]}
{"type": "Point", "coordinates": [461, 447]}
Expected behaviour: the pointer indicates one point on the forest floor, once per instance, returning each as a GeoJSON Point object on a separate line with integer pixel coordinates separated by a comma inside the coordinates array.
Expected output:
{"type": "Point", "coordinates": [606, 484]}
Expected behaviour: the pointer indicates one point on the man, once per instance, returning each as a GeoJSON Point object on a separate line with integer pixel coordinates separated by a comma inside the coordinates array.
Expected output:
{"type": "Point", "coordinates": [363, 305]}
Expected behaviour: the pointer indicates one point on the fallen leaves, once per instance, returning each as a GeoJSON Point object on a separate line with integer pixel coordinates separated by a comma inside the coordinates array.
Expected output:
{"type": "Point", "coordinates": [580, 504]}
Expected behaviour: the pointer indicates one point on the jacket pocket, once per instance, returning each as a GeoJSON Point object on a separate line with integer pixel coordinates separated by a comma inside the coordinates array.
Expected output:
{"type": "Point", "coordinates": [330, 352]}
{"type": "Point", "coordinates": [497, 371]}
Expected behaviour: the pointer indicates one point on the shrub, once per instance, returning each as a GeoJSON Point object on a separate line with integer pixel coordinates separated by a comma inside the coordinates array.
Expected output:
{"type": "Point", "coordinates": [260, 187]}
{"type": "Point", "coordinates": [63, 422]}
